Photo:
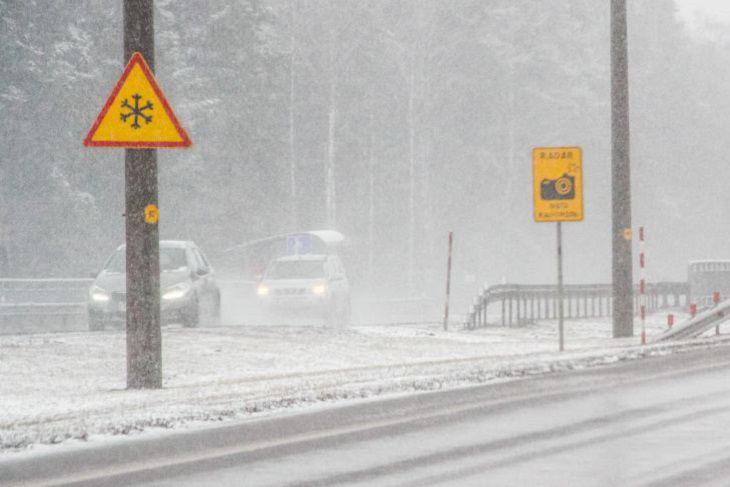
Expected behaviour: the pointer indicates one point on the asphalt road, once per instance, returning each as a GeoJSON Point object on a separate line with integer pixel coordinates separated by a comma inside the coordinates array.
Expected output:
{"type": "Point", "coordinates": [662, 421]}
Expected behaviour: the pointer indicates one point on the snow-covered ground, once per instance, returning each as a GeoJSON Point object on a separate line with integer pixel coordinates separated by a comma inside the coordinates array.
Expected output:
{"type": "Point", "coordinates": [57, 387]}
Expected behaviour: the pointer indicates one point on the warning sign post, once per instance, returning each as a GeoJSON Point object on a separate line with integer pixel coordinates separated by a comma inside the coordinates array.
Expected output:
{"type": "Point", "coordinates": [138, 117]}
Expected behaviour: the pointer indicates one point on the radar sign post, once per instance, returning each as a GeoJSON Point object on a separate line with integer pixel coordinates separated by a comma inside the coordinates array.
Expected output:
{"type": "Point", "coordinates": [558, 197]}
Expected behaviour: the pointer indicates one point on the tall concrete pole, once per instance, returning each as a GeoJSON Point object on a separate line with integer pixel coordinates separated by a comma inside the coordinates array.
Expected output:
{"type": "Point", "coordinates": [144, 341]}
{"type": "Point", "coordinates": [623, 303]}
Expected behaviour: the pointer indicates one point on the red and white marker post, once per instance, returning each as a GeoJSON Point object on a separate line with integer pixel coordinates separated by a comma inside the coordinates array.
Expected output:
{"type": "Point", "coordinates": [715, 302]}
{"type": "Point", "coordinates": [642, 285]}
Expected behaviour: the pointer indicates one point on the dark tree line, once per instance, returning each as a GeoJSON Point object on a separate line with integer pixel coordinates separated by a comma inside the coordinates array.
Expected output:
{"type": "Point", "coordinates": [392, 121]}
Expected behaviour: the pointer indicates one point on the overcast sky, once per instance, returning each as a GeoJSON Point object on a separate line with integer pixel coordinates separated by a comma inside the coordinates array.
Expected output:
{"type": "Point", "coordinates": [705, 19]}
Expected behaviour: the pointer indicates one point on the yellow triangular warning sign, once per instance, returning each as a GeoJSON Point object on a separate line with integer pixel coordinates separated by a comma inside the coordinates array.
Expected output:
{"type": "Point", "coordinates": [137, 114]}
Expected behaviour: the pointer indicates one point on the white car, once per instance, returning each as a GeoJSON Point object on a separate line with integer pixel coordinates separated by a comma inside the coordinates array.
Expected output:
{"type": "Point", "coordinates": [309, 285]}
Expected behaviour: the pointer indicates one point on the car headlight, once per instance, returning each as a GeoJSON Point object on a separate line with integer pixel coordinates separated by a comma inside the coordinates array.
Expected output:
{"type": "Point", "coordinates": [263, 290]}
{"type": "Point", "coordinates": [177, 291]}
{"type": "Point", "coordinates": [99, 295]}
{"type": "Point", "coordinates": [319, 289]}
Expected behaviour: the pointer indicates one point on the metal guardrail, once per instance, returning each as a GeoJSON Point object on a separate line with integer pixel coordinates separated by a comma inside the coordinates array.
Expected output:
{"type": "Point", "coordinates": [520, 304]}
{"type": "Point", "coordinates": [697, 325]}
{"type": "Point", "coordinates": [44, 291]}
{"type": "Point", "coordinates": [60, 301]}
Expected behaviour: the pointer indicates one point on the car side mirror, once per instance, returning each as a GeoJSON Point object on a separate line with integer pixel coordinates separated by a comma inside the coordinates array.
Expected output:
{"type": "Point", "coordinates": [201, 272]}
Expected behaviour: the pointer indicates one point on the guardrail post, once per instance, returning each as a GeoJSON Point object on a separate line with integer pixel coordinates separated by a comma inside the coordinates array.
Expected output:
{"type": "Point", "coordinates": [474, 311]}
{"type": "Point", "coordinates": [569, 303]}
{"type": "Point", "coordinates": [546, 307]}
{"type": "Point", "coordinates": [532, 307]}
{"type": "Point", "coordinates": [520, 308]}
{"type": "Point", "coordinates": [715, 302]}
{"type": "Point", "coordinates": [482, 310]}
{"type": "Point", "coordinates": [503, 311]}
{"type": "Point", "coordinates": [554, 299]}
{"type": "Point", "coordinates": [484, 305]}
{"type": "Point", "coordinates": [509, 309]}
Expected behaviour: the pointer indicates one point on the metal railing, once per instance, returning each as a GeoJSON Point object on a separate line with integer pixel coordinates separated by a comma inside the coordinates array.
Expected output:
{"type": "Point", "coordinates": [44, 303]}
{"type": "Point", "coordinates": [44, 290]}
{"type": "Point", "coordinates": [519, 304]}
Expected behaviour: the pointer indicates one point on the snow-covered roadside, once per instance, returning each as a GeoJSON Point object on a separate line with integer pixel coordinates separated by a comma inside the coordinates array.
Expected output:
{"type": "Point", "coordinates": [57, 387]}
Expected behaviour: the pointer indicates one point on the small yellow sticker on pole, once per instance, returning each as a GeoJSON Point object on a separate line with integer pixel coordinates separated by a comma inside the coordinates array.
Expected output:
{"type": "Point", "coordinates": [151, 214]}
{"type": "Point", "coordinates": [628, 234]}
{"type": "Point", "coordinates": [558, 184]}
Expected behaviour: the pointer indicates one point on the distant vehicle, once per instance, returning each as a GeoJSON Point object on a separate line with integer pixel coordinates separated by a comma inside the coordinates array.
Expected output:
{"type": "Point", "coordinates": [707, 277]}
{"type": "Point", "coordinates": [312, 285]}
{"type": "Point", "coordinates": [187, 282]}
{"type": "Point", "coordinates": [249, 260]}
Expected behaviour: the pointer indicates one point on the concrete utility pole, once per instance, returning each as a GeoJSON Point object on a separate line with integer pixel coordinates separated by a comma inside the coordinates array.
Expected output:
{"type": "Point", "coordinates": [623, 303]}
{"type": "Point", "coordinates": [144, 340]}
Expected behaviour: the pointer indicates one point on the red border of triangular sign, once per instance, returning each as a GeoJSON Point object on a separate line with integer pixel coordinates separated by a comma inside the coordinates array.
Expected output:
{"type": "Point", "coordinates": [137, 59]}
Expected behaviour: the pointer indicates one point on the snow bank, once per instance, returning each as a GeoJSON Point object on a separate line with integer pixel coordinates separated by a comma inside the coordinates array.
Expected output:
{"type": "Point", "coordinates": [58, 387]}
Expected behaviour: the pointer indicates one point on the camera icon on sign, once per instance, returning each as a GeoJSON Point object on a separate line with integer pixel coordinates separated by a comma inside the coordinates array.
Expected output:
{"type": "Point", "coordinates": [562, 188]}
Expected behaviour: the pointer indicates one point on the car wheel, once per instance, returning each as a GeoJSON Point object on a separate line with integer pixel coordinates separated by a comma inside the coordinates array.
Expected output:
{"type": "Point", "coordinates": [96, 323]}
{"type": "Point", "coordinates": [328, 317]}
{"type": "Point", "coordinates": [215, 311]}
{"type": "Point", "coordinates": [191, 317]}
{"type": "Point", "coordinates": [332, 318]}
{"type": "Point", "coordinates": [346, 315]}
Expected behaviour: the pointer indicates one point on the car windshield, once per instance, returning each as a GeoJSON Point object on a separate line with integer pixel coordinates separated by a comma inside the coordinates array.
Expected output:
{"type": "Point", "coordinates": [296, 269]}
{"type": "Point", "coordinates": [171, 259]}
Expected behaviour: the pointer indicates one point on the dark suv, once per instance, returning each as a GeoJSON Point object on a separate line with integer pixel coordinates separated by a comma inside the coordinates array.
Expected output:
{"type": "Point", "coordinates": [187, 287]}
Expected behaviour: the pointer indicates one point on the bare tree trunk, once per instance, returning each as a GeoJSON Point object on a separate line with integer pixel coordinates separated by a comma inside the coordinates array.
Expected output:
{"type": "Point", "coordinates": [510, 152]}
{"type": "Point", "coordinates": [330, 194]}
{"type": "Point", "coordinates": [428, 256]}
{"type": "Point", "coordinates": [511, 130]}
{"type": "Point", "coordinates": [411, 170]}
{"type": "Point", "coordinates": [293, 210]}
{"type": "Point", "coordinates": [371, 195]}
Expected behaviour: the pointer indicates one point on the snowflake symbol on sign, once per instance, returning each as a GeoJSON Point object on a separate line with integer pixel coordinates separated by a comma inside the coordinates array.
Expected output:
{"type": "Point", "coordinates": [136, 112]}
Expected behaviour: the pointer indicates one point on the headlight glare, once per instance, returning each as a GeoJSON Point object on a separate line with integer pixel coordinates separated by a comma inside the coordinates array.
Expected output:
{"type": "Point", "coordinates": [319, 289]}
{"type": "Point", "coordinates": [263, 290]}
{"type": "Point", "coordinates": [99, 295]}
{"type": "Point", "coordinates": [177, 291]}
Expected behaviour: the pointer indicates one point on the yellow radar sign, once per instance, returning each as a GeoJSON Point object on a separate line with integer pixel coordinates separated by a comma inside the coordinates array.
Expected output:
{"type": "Point", "coordinates": [557, 184]}
{"type": "Point", "coordinates": [137, 115]}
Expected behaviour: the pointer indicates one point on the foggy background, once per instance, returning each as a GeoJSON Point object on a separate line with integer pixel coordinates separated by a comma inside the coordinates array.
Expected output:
{"type": "Point", "coordinates": [425, 111]}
